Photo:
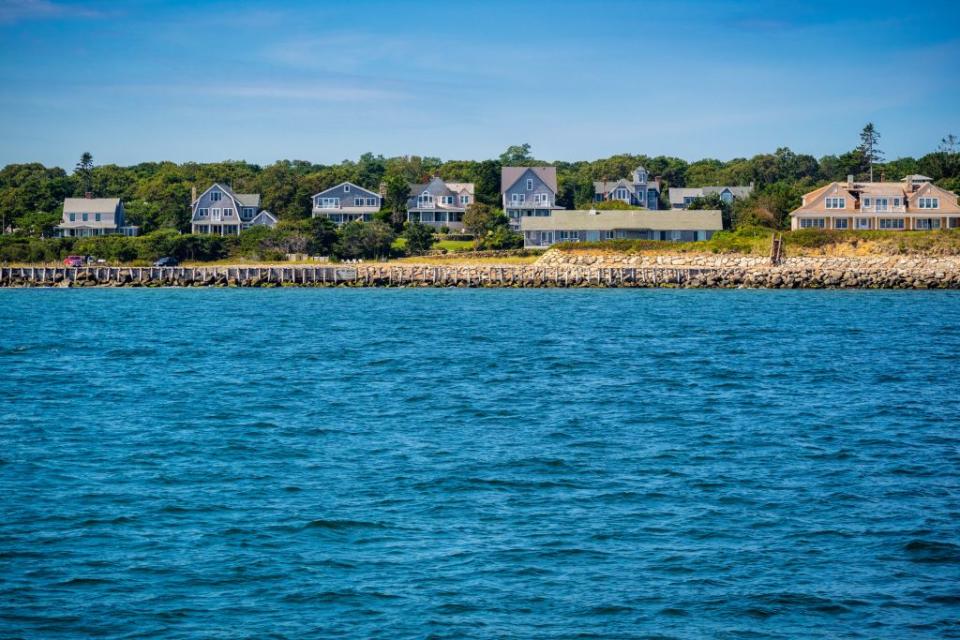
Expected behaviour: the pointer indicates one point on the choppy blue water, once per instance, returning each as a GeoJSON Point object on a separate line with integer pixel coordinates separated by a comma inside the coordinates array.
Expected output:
{"type": "Point", "coordinates": [479, 464]}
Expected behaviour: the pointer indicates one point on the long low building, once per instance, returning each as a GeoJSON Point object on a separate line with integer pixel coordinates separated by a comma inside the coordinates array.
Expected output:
{"type": "Point", "coordinates": [614, 224]}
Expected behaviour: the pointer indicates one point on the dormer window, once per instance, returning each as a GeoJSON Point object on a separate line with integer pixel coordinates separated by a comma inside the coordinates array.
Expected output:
{"type": "Point", "coordinates": [866, 202]}
{"type": "Point", "coordinates": [464, 199]}
{"type": "Point", "coordinates": [929, 203]}
{"type": "Point", "coordinates": [346, 188]}
{"type": "Point", "coordinates": [836, 203]}
{"type": "Point", "coordinates": [215, 196]}
{"type": "Point", "coordinates": [529, 184]}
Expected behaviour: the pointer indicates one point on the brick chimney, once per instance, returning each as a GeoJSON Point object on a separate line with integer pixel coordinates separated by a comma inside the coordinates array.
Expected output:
{"type": "Point", "coordinates": [193, 193]}
{"type": "Point", "coordinates": [88, 195]}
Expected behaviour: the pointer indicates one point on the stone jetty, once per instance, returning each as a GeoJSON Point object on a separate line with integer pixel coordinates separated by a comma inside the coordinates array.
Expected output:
{"type": "Point", "coordinates": [554, 269]}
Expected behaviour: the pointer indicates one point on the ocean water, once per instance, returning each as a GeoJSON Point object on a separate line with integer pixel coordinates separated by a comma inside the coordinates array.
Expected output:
{"type": "Point", "coordinates": [479, 464]}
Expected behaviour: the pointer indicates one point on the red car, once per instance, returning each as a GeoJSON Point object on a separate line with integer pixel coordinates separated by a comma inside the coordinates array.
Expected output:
{"type": "Point", "coordinates": [73, 261]}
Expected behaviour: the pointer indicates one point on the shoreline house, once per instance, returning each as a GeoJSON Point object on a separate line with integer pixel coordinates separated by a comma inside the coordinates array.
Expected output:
{"type": "Point", "coordinates": [440, 204]}
{"type": "Point", "coordinates": [528, 192]}
{"type": "Point", "coordinates": [616, 224]}
{"type": "Point", "coordinates": [88, 216]}
{"type": "Point", "coordinates": [681, 197]}
{"type": "Point", "coordinates": [220, 211]}
{"type": "Point", "coordinates": [346, 202]}
{"type": "Point", "coordinates": [639, 191]}
{"type": "Point", "coordinates": [914, 203]}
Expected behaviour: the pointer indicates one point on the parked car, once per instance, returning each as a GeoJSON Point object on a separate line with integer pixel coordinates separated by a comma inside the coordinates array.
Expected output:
{"type": "Point", "coordinates": [167, 261]}
{"type": "Point", "coordinates": [73, 261]}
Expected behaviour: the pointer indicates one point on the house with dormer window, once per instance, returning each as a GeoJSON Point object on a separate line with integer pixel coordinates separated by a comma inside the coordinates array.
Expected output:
{"type": "Point", "coordinates": [528, 192]}
{"type": "Point", "coordinates": [220, 211]}
{"type": "Point", "coordinates": [639, 191]}
{"type": "Point", "coordinates": [913, 204]}
{"type": "Point", "coordinates": [346, 202]}
{"type": "Point", "coordinates": [439, 203]}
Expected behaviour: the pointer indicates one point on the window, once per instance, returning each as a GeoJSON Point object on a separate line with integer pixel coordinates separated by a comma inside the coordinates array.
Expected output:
{"type": "Point", "coordinates": [216, 214]}
{"type": "Point", "coordinates": [329, 203]}
{"type": "Point", "coordinates": [73, 217]}
{"type": "Point", "coordinates": [425, 199]}
{"type": "Point", "coordinates": [687, 200]}
{"type": "Point", "coordinates": [517, 198]}
{"type": "Point", "coordinates": [96, 217]}
{"type": "Point", "coordinates": [675, 236]}
{"type": "Point", "coordinates": [866, 202]}
{"type": "Point", "coordinates": [529, 184]}
{"type": "Point", "coordinates": [812, 223]}
{"type": "Point", "coordinates": [228, 213]}
{"type": "Point", "coordinates": [863, 223]}
{"type": "Point", "coordinates": [891, 223]}
{"type": "Point", "coordinates": [607, 235]}
{"type": "Point", "coordinates": [86, 217]}
{"type": "Point", "coordinates": [464, 199]}
{"type": "Point", "coordinates": [841, 223]}
{"type": "Point", "coordinates": [929, 203]}
{"type": "Point", "coordinates": [203, 212]}
{"type": "Point", "coordinates": [621, 194]}
{"type": "Point", "coordinates": [371, 202]}
{"type": "Point", "coordinates": [447, 200]}
{"type": "Point", "coordinates": [346, 188]}
{"type": "Point", "coordinates": [882, 204]}
{"type": "Point", "coordinates": [928, 223]}
{"type": "Point", "coordinates": [358, 202]}
{"type": "Point", "coordinates": [896, 202]}
{"type": "Point", "coordinates": [248, 212]}
{"type": "Point", "coordinates": [569, 236]}
{"type": "Point", "coordinates": [215, 196]}
{"type": "Point", "coordinates": [836, 203]}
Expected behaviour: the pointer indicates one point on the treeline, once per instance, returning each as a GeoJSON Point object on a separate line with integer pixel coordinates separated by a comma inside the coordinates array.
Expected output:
{"type": "Point", "coordinates": [157, 194]}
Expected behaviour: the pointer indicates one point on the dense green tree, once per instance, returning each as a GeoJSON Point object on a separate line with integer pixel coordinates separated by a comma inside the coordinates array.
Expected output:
{"type": "Point", "coordinates": [364, 240]}
{"type": "Point", "coordinates": [869, 147]}
{"type": "Point", "coordinates": [84, 170]}
{"type": "Point", "coordinates": [478, 219]}
{"type": "Point", "coordinates": [516, 155]}
{"type": "Point", "coordinates": [397, 191]}
{"type": "Point", "coordinates": [419, 238]}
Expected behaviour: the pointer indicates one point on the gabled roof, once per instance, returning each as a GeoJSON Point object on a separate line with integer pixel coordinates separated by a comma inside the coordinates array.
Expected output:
{"type": "Point", "coordinates": [261, 217]}
{"type": "Point", "coordinates": [90, 205]}
{"type": "Point", "coordinates": [239, 199]}
{"type": "Point", "coordinates": [510, 175]}
{"type": "Point", "coordinates": [352, 186]}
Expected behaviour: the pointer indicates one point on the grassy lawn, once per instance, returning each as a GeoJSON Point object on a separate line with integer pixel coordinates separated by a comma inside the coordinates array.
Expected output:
{"type": "Point", "coordinates": [465, 259]}
{"type": "Point", "coordinates": [804, 242]}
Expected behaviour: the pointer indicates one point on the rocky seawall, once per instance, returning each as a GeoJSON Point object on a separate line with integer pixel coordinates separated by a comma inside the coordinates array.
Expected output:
{"type": "Point", "coordinates": [551, 271]}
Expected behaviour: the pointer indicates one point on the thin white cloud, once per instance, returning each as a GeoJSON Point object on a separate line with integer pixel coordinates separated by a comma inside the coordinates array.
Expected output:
{"type": "Point", "coordinates": [12, 11]}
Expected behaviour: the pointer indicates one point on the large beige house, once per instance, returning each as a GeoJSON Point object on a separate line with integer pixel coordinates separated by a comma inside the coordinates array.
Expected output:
{"type": "Point", "coordinates": [914, 203]}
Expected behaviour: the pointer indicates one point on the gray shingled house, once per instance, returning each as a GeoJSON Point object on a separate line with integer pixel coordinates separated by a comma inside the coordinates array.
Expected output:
{"type": "Point", "coordinates": [639, 191]}
{"type": "Point", "coordinates": [222, 212]}
{"type": "Point", "coordinates": [346, 202]}
{"type": "Point", "coordinates": [681, 197]}
{"type": "Point", "coordinates": [593, 225]}
{"type": "Point", "coordinates": [440, 204]}
{"type": "Point", "coordinates": [528, 192]}
{"type": "Point", "coordinates": [89, 216]}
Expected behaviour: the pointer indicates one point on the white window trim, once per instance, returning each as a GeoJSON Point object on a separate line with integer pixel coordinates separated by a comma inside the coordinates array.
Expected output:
{"type": "Point", "coordinates": [346, 188]}
{"type": "Point", "coordinates": [529, 184]}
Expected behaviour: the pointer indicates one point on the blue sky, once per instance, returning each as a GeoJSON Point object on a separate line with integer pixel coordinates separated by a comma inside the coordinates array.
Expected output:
{"type": "Point", "coordinates": [323, 81]}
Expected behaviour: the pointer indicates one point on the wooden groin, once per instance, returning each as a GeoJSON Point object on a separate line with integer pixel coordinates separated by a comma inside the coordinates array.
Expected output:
{"type": "Point", "coordinates": [377, 275]}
